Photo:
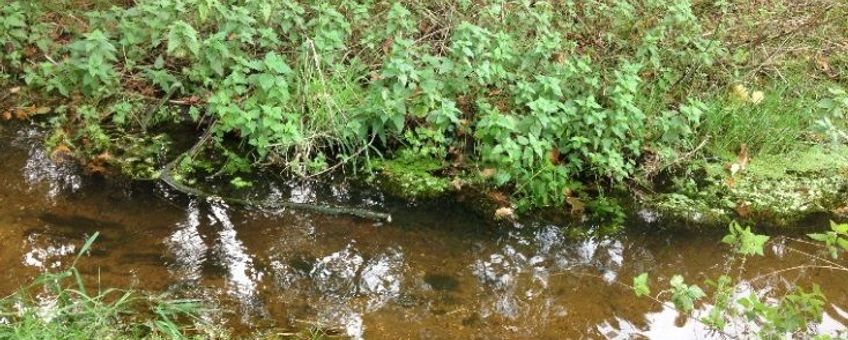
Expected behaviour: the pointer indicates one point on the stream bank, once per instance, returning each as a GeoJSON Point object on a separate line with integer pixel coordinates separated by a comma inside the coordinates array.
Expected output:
{"type": "Point", "coordinates": [435, 271]}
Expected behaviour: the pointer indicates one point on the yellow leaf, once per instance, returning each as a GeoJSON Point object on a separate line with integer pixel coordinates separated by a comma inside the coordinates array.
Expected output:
{"type": "Point", "coordinates": [504, 213]}
{"type": "Point", "coordinates": [740, 92]}
{"type": "Point", "coordinates": [489, 172]}
{"type": "Point", "coordinates": [757, 97]}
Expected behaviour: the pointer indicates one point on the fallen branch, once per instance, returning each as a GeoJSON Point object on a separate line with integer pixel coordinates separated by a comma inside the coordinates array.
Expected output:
{"type": "Point", "coordinates": [166, 175]}
{"type": "Point", "coordinates": [152, 110]}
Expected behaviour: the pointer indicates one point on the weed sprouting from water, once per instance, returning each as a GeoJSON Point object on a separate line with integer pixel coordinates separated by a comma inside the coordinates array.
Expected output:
{"type": "Point", "coordinates": [737, 312]}
{"type": "Point", "coordinates": [60, 306]}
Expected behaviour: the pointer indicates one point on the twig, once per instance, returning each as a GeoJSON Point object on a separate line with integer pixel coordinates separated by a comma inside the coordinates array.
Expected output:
{"type": "Point", "coordinates": [166, 176]}
{"type": "Point", "coordinates": [765, 36]}
{"type": "Point", "coordinates": [655, 299]}
{"type": "Point", "coordinates": [799, 267]}
{"type": "Point", "coordinates": [691, 153]}
{"type": "Point", "coordinates": [150, 111]}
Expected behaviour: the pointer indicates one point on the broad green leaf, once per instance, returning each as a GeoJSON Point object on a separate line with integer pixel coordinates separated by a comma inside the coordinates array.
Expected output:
{"type": "Point", "coordinates": [685, 296]}
{"type": "Point", "coordinates": [839, 228]}
{"type": "Point", "coordinates": [744, 241]}
{"type": "Point", "coordinates": [275, 63]}
{"type": "Point", "coordinates": [842, 243]}
{"type": "Point", "coordinates": [819, 237]}
{"type": "Point", "coordinates": [640, 285]}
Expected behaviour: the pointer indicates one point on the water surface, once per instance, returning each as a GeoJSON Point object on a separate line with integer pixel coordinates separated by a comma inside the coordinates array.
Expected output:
{"type": "Point", "coordinates": [435, 272]}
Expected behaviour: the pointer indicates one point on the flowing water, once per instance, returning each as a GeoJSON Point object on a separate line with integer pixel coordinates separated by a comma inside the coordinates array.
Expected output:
{"type": "Point", "coordinates": [434, 272]}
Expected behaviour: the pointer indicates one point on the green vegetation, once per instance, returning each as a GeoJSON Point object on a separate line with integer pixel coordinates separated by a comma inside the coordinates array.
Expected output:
{"type": "Point", "coordinates": [65, 309]}
{"type": "Point", "coordinates": [735, 312]}
{"type": "Point", "coordinates": [410, 176]}
{"type": "Point", "coordinates": [551, 102]}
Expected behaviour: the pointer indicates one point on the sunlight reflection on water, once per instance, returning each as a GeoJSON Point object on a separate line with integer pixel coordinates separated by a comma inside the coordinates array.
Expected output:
{"type": "Point", "coordinates": [434, 274]}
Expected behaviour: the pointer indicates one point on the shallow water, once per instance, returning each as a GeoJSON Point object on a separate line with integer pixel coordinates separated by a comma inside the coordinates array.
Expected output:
{"type": "Point", "coordinates": [434, 272]}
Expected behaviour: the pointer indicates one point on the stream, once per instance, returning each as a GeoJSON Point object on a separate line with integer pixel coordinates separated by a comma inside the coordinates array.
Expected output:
{"type": "Point", "coordinates": [434, 272]}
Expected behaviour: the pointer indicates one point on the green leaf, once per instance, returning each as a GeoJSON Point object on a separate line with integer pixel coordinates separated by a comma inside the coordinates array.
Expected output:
{"type": "Point", "coordinates": [745, 241]}
{"type": "Point", "coordinates": [839, 228]}
{"type": "Point", "coordinates": [640, 285]}
{"type": "Point", "coordinates": [182, 37]}
{"type": "Point", "coordinates": [275, 63]}
{"type": "Point", "coordinates": [819, 237]}
{"type": "Point", "coordinates": [842, 243]}
{"type": "Point", "coordinates": [685, 296]}
{"type": "Point", "coordinates": [85, 247]}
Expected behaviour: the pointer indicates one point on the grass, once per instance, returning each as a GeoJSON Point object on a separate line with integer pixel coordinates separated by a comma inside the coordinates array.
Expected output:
{"type": "Point", "coordinates": [59, 306]}
{"type": "Point", "coordinates": [779, 123]}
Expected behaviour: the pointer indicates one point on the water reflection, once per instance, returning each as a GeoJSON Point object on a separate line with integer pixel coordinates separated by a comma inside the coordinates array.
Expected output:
{"type": "Point", "coordinates": [48, 257]}
{"type": "Point", "coordinates": [188, 247]}
{"type": "Point", "coordinates": [346, 285]}
{"type": "Point", "coordinates": [427, 276]}
{"type": "Point", "coordinates": [192, 255]}
{"type": "Point", "coordinates": [41, 170]}
{"type": "Point", "coordinates": [498, 277]}
{"type": "Point", "coordinates": [231, 253]}
{"type": "Point", "coordinates": [381, 278]}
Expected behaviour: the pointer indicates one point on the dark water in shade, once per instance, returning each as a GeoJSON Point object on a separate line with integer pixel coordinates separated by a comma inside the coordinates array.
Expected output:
{"type": "Point", "coordinates": [436, 272]}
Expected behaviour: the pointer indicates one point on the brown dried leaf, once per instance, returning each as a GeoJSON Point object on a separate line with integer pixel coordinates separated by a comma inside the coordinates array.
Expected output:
{"type": "Point", "coordinates": [60, 152]}
{"type": "Point", "coordinates": [498, 197]}
{"type": "Point", "coordinates": [488, 172]}
{"type": "Point", "coordinates": [554, 156]}
{"type": "Point", "coordinates": [94, 168]}
{"type": "Point", "coordinates": [577, 206]}
{"type": "Point", "coordinates": [559, 57]}
{"type": "Point", "coordinates": [743, 209]}
{"type": "Point", "coordinates": [25, 112]}
{"type": "Point", "coordinates": [504, 213]}
{"type": "Point", "coordinates": [822, 64]}
{"type": "Point", "coordinates": [387, 45]}
{"type": "Point", "coordinates": [842, 212]}
{"type": "Point", "coordinates": [104, 157]}
{"type": "Point", "coordinates": [741, 161]}
{"type": "Point", "coordinates": [457, 183]}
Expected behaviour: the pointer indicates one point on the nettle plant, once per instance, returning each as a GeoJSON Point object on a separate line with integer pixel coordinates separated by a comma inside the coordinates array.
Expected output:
{"type": "Point", "coordinates": [549, 97]}
{"type": "Point", "coordinates": [20, 38]}
{"type": "Point", "coordinates": [739, 312]}
{"type": "Point", "coordinates": [835, 112]}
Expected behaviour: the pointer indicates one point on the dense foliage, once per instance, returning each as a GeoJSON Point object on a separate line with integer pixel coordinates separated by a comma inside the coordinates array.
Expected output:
{"type": "Point", "coordinates": [545, 99]}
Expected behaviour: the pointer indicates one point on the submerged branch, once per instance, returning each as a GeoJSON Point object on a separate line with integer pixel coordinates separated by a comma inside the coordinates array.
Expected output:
{"type": "Point", "coordinates": [166, 175]}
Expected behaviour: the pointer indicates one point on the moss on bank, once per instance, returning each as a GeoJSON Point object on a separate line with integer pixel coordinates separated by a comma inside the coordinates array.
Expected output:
{"type": "Point", "coordinates": [411, 177]}
{"type": "Point", "coordinates": [773, 189]}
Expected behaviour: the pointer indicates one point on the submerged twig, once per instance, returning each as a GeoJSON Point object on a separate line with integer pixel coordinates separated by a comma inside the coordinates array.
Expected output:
{"type": "Point", "coordinates": [166, 175]}
{"type": "Point", "coordinates": [799, 267]}
{"type": "Point", "coordinates": [152, 110]}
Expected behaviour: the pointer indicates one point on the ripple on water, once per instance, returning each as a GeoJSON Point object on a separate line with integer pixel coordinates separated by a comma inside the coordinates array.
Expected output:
{"type": "Point", "coordinates": [41, 170]}
{"type": "Point", "coordinates": [426, 276]}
